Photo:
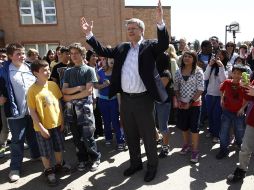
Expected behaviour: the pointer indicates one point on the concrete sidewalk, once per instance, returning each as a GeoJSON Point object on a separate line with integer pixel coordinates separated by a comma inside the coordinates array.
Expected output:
{"type": "Point", "coordinates": [175, 172]}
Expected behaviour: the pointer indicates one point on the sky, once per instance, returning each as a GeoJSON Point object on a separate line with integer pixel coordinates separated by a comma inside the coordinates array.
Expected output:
{"type": "Point", "coordinates": [201, 19]}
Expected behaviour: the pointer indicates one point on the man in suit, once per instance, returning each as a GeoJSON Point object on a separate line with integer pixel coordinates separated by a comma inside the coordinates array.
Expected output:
{"type": "Point", "coordinates": [135, 76]}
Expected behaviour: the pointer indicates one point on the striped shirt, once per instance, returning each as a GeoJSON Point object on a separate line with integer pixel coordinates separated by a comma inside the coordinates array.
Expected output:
{"type": "Point", "coordinates": [130, 78]}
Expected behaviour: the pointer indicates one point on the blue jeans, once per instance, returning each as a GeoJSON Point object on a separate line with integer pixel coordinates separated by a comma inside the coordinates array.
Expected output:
{"type": "Point", "coordinates": [228, 120]}
{"type": "Point", "coordinates": [203, 114]}
{"type": "Point", "coordinates": [214, 114]}
{"type": "Point", "coordinates": [163, 112]}
{"type": "Point", "coordinates": [110, 115]}
{"type": "Point", "coordinates": [21, 129]}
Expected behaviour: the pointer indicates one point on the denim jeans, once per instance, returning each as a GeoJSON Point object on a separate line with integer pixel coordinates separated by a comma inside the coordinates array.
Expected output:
{"type": "Point", "coordinates": [214, 114]}
{"type": "Point", "coordinates": [228, 120]}
{"type": "Point", "coordinates": [110, 114]}
{"type": "Point", "coordinates": [5, 129]}
{"type": "Point", "coordinates": [21, 129]}
{"type": "Point", "coordinates": [163, 112]}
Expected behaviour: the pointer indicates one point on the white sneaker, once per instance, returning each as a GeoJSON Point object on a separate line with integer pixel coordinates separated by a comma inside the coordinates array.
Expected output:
{"type": "Point", "coordinates": [95, 165]}
{"type": "Point", "coordinates": [14, 175]}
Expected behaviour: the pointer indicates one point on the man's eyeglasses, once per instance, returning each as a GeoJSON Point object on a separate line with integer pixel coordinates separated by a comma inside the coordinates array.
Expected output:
{"type": "Point", "coordinates": [131, 29]}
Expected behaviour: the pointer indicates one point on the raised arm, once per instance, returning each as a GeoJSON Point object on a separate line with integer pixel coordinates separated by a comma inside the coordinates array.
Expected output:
{"type": "Point", "coordinates": [162, 34]}
{"type": "Point", "coordinates": [159, 14]}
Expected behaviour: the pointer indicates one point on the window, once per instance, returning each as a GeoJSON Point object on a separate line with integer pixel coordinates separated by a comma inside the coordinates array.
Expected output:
{"type": "Point", "coordinates": [37, 11]}
{"type": "Point", "coordinates": [42, 48]}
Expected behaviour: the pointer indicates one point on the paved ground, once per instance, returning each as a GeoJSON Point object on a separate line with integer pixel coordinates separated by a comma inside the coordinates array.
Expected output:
{"type": "Point", "coordinates": [174, 172]}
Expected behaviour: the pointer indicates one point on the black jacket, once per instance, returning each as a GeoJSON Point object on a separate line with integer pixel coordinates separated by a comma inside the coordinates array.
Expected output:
{"type": "Point", "coordinates": [148, 52]}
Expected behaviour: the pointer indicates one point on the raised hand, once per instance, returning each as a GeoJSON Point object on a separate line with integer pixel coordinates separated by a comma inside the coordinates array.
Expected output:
{"type": "Point", "coordinates": [86, 28]}
{"type": "Point", "coordinates": [159, 15]}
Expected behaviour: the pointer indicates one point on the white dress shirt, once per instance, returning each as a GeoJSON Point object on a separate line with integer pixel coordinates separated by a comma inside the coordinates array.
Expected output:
{"type": "Point", "coordinates": [130, 78]}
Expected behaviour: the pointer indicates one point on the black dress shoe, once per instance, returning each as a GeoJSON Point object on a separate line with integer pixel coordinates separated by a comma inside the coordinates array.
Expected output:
{"type": "Point", "coordinates": [150, 175]}
{"type": "Point", "coordinates": [131, 170]}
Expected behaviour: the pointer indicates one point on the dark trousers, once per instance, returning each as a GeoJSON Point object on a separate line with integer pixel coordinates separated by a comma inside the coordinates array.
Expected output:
{"type": "Point", "coordinates": [138, 120]}
{"type": "Point", "coordinates": [86, 145]}
{"type": "Point", "coordinates": [98, 120]}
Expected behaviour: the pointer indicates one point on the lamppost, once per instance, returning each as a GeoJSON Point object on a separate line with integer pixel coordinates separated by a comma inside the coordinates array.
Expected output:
{"type": "Point", "coordinates": [234, 27]}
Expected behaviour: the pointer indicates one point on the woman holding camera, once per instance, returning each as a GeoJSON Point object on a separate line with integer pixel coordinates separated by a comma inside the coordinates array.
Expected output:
{"type": "Point", "coordinates": [216, 72]}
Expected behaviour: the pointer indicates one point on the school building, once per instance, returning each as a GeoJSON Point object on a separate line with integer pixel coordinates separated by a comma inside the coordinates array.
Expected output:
{"type": "Point", "coordinates": [44, 24]}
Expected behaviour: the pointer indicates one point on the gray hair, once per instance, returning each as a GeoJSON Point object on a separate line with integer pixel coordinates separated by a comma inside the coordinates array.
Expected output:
{"type": "Point", "coordinates": [139, 22]}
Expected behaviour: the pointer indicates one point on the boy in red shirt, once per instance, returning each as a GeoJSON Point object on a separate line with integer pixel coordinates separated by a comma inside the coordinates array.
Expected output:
{"type": "Point", "coordinates": [248, 142]}
{"type": "Point", "coordinates": [233, 106]}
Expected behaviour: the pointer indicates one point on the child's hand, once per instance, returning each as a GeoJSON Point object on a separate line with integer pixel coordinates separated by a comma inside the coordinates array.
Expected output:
{"type": "Point", "coordinates": [222, 103]}
{"type": "Point", "coordinates": [62, 127]}
{"type": "Point", "coordinates": [2, 100]}
{"type": "Point", "coordinates": [250, 90]}
{"type": "Point", "coordinates": [219, 63]}
{"type": "Point", "coordinates": [45, 133]}
{"type": "Point", "coordinates": [106, 82]}
{"type": "Point", "coordinates": [212, 61]}
{"type": "Point", "coordinates": [240, 112]}
{"type": "Point", "coordinates": [81, 88]}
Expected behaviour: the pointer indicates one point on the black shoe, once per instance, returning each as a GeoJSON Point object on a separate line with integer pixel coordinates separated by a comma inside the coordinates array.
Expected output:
{"type": "Point", "coordinates": [222, 154]}
{"type": "Point", "coordinates": [164, 152]}
{"type": "Point", "coordinates": [63, 168]}
{"type": "Point", "coordinates": [131, 170]}
{"type": "Point", "coordinates": [150, 175]}
{"type": "Point", "coordinates": [237, 176]}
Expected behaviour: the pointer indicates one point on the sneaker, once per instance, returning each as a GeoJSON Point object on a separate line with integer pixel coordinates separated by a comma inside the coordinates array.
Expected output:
{"type": "Point", "coordinates": [108, 143]}
{"type": "Point", "coordinates": [26, 146]}
{"type": "Point", "coordinates": [2, 151]}
{"type": "Point", "coordinates": [159, 141]}
{"type": "Point", "coordinates": [120, 147]}
{"type": "Point", "coordinates": [194, 156]}
{"type": "Point", "coordinates": [222, 154]}
{"type": "Point", "coordinates": [95, 165]}
{"type": "Point", "coordinates": [236, 146]}
{"type": "Point", "coordinates": [14, 175]}
{"type": "Point", "coordinates": [164, 151]}
{"type": "Point", "coordinates": [208, 135]}
{"type": "Point", "coordinates": [216, 140]}
{"type": "Point", "coordinates": [185, 149]}
{"type": "Point", "coordinates": [81, 166]}
{"type": "Point", "coordinates": [237, 176]}
{"type": "Point", "coordinates": [51, 177]}
{"type": "Point", "coordinates": [64, 168]}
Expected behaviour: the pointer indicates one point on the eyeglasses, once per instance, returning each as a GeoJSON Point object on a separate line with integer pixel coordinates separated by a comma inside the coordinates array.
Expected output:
{"type": "Point", "coordinates": [131, 29]}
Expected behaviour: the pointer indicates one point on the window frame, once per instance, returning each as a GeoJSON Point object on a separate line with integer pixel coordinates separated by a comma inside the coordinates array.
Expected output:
{"type": "Point", "coordinates": [32, 13]}
{"type": "Point", "coordinates": [36, 44]}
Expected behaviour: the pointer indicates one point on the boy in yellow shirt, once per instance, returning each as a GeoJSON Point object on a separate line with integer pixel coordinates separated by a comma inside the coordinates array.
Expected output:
{"type": "Point", "coordinates": [43, 102]}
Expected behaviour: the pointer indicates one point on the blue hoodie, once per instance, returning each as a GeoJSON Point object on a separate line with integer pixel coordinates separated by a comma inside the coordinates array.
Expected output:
{"type": "Point", "coordinates": [10, 107]}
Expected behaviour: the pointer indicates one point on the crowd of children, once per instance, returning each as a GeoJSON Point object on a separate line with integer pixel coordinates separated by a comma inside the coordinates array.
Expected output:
{"type": "Point", "coordinates": [44, 108]}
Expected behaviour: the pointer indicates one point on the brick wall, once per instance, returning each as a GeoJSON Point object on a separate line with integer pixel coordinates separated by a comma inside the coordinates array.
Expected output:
{"type": "Point", "coordinates": [108, 17]}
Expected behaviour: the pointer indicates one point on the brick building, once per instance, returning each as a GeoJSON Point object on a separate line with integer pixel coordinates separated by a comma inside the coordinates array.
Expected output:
{"type": "Point", "coordinates": [44, 24]}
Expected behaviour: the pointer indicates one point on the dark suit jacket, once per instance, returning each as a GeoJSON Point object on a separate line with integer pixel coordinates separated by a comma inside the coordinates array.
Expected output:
{"type": "Point", "coordinates": [148, 52]}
